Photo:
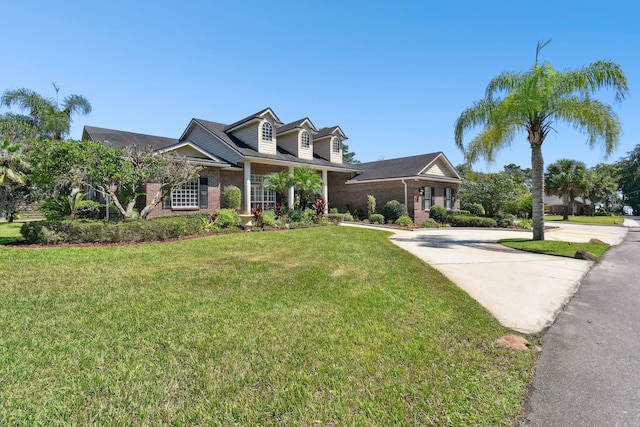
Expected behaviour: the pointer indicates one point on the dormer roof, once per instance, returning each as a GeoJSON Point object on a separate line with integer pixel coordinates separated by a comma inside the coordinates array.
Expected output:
{"type": "Point", "coordinates": [257, 116]}
{"type": "Point", "coordinates": [297, 125]}
{"type": "Point", "coordinates": [331, 131]}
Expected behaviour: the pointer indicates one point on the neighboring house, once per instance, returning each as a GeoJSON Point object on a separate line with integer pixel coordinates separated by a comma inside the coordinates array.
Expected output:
{"type": "Point", "coordinates": [555, 205]}
{"type": "Point", "coordinates": [244, 152]}
{"type": "Point", "coordinates": [418, 181]}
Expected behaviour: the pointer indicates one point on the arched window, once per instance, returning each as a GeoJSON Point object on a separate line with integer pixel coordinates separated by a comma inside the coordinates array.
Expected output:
{"type": "Point", "coordinates": [267, 132]}
{"type": "Point", "coordinates": [305, 139]}
{"type": "Point", "coordinates": [336, 145]}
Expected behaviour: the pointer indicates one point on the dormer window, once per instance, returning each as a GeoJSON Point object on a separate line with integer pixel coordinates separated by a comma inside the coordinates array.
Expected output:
{"type": "Point", "coordinates": [267, 132]}
{"type": "Point", "coordinates": [305, 139]}
{"type": "Point", "coordinates": [335, 144]}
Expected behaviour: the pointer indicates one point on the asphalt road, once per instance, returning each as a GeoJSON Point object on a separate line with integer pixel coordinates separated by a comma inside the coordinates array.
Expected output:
{"type": "Point", "coordinates": [589, 371]}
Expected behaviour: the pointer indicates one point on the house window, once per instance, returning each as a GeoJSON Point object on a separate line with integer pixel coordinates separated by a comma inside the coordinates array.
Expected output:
{"type": "Point", "coordinates": [260, 196]}
{"type": "Point", "coordinates": [428, 193]}
{"type": "Point", "coordinates": [186, 196]}
{"type": "Point", "coordinates": [306, 139]}
{"type": "Point", "coordinates": [335, 145]}
{"type": "Point", "coordinates": [267, 132]}
{"type": "Point", "coordinates": [448, 197]}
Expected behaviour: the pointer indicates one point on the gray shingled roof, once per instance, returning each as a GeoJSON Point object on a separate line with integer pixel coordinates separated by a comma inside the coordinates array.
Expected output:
{"type": "Point", "coordinates": [219, 129]}
{"type": "Point", "coordinates": [119, 138]}
{"type": "Point", "coordinates": [395, 168]}
{"type": "Point", "coordinates": [293, 125]}
{"type": "Point", "coordinates": [253, 116]}
{"type": "Point", "coordinates": [327, 131]}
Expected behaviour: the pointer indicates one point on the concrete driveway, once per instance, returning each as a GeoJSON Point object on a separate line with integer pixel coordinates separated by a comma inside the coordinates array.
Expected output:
{"type": "Point", "coordinates": [524, 291]}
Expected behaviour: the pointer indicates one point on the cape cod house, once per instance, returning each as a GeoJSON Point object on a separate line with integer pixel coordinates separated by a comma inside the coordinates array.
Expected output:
{"type": "Point", "coordinates": [244, 152]}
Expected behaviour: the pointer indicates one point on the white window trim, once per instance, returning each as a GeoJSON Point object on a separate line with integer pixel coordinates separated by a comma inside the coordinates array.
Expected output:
{"type": "Point", "coordinates": [266, 132]}
{"type": "Point", "coordinates": [448, 198]}
{"type": "Point", "coordinates": [188, 193]}
{"type": "Point", "coordinates": [304, 140]}
{"type": "Point", "coordinates": [260, 196]}
{"type": "Point", "coordinates": [427, 196]}
{"type": "Point", "coordinates": [335, 142]}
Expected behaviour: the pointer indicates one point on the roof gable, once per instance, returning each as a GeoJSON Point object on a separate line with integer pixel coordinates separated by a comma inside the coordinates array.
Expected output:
{"type": "Point", "coordinates": [302, 123]}
{"type": "Point", "coordinates": [331, 131]}
{"type": "Point", "coordinates": [432, 165]}
{"type": "Point", "coordinates": [257, 116]}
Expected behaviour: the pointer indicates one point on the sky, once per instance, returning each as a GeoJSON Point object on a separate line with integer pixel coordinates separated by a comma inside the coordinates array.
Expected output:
{"type": "Point", "coordinates": [394, 76]}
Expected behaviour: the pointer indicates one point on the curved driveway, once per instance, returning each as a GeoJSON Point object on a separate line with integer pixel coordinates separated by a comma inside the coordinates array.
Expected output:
{"type": "Point", "coordinates": [524, 291]}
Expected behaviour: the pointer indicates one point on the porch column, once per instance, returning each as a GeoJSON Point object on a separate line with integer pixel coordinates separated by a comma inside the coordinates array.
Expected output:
{"type": "Point", "coordinates": [292, 194]}
{"type": "Point", "coordinates": [247, 187]}
{"type": "Point", "coordinates": [325, 191]}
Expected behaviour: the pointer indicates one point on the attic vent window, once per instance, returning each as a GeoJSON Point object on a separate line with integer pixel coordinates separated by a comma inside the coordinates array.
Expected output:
{"type": "Point", "coordinates": [267, 132]}
{"type": "Point", "coordinates": [306, 140]}
{"type": "Point", "coordinates": [336, 145]}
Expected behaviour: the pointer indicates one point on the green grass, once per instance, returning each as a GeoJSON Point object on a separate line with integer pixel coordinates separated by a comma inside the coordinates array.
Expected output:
{"type": "Point", "coordinates": [592, 220]}
{"type": "Point", "coordinates": [327, 326]}
{"type": "Point", "coordinates": [553, 247]}
{"type": "Point", "coordinates": [10, 232]}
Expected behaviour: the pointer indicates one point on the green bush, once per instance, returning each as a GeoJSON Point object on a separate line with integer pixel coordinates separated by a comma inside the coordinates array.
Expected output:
{"type": "Point", "coordinates": [429, 223]}
{"type": "Point", "coordinates": [506, 220]}
{"type": "Point", "coordinates": [347, 216]}
{"type": "Point", "coordinates": [333, 210]}
{"type": "Point", "coordinates": [371, 205]}
{"type": "Point", "coordinates": [227, 219]}
{"type": "Point", "coordinates": [438, 213]}
{"type": "Point", "coordinates": [376, 219]}
{"type": "Point", "coordinates": [393, 210]}
{"type": "Point", "coordinates": [85, 231]}
{"type": "Point", "coordinates": [471, 221]}
{"type": "Point", "coordinates": [458, 212]}
{"type": "Point", "coordinates": [231, 197]}
{"type": "Point", "coordinates": [473, 208]}
{"type": "Point", "coordinates": [269, 218]}
{"type": "Point", "coordinates": [404, 221]}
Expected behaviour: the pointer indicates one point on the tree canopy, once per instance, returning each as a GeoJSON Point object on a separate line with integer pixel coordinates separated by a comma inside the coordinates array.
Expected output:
{"type": "Point", "coordinates": [530, 102]}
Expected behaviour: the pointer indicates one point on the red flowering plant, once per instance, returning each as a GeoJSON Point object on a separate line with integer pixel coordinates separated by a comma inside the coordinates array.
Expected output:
{"type": "Point", "coordinates": [257, 216]}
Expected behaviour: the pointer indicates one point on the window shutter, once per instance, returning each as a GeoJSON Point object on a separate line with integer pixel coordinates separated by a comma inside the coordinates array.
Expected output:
{"type": "Point", "coordinates": [204, 192]}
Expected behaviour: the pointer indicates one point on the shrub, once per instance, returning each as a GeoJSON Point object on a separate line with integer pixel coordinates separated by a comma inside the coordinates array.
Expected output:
{"type": "Point", "coordinates": [359, 214]}
{"type": "Point", "coordinates": [438, 213]}
{"type": "Point", "coordinates": [309, 216]}
{"type": "Point", "coordinates": [85, 231]}
{"type": "Point", "coordinates": [458, 212]}
{"type": "Point", "coordinates": [506, 220]}
{"type": "Point", "coordinates": [371, 205]}
{"type": "Point", "coordinates": [227, 219]}
{"type": "Point", "coordinates": [232, 197]}
{"type": "Point", "coordinates": [347, 216]}
{"type": "Point", "coordinates": [405, 221]}
{"type": "Point", "coordinates": [471, 221]}
{"type": "Point", "coordinates": [376, 219]}
{"type": "Point", "coordinates": [393, 210]}
{"type": "Point", "coordinates": [320, 205]}
{"type": "Point", "coordinates": [333, 210]}
{"type": "Point", "coordinates": [474, 208]}
{"type": "Point", "coordinates": [429, 223]}
{"type": "Point", "coordinates": [269, 218]}
{"type": "Point", "coordinates": [74, 206]}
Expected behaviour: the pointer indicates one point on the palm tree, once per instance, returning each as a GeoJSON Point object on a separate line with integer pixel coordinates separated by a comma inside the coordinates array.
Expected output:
{"type": "Point", "coordinates": [280, 182]}
{"type": "Point", "coordinates": [566, 179]}
{"type": "Point", "coordinates": [533, 101]}
{"type": "Point", "coordinates": [307, 183]}
{"type": "Point", "coordinates": [45, 114]}
{"type": "Point", "coordinates": [10, 161]}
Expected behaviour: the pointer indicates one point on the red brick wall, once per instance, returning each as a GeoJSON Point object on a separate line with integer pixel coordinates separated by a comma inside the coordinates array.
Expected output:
{"type": "Point", "coordinates": [349, 197]}
{"type": "Point", "coordinates": [214, 191]}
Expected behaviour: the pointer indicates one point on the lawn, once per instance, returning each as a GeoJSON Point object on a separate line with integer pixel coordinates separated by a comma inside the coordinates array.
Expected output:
{"type": "Point", "coordinates": [553, 247]}
{"type": "Point", "coordinates": [9, 232]}
{"type": "Point", "coordinates": [591, 220]}
{"type": "Point", "coordinates": [326, 326]}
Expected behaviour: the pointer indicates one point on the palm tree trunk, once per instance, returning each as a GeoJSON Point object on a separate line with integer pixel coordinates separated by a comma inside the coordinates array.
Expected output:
{"type": "Point", "coordinates": [537, 190]}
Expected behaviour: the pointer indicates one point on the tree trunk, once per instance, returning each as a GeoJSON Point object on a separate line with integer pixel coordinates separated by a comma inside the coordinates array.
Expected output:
{"type": "Point", "coordinates": [537, 190]}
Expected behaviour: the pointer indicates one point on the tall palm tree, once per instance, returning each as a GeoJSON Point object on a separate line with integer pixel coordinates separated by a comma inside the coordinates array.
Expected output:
{"type": "Point", "coordinates": [10, 164]}
{"type": "Point", "coordinates": [566, 179]}
{"type": "Point", "coordinates": [532, 102]}
{"type": "Point", "coordinates": [307, 183]}
{"type": "Point", "coordinates": [51, 119]}
{"type": "Point", "coordinates": [280, 182]}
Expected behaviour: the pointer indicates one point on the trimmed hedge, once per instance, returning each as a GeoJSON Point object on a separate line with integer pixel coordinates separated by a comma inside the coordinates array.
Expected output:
{"type": "Point", "coordinates": [393, 210]}
{"type": "Point", "coordinates": [335, 218]}
{"type": "Point", "coordinates": [84, 231]}
{"type": "Point", "coordinates": [470, 221]}
{"type": "Point", "coordinates": [376, 219]}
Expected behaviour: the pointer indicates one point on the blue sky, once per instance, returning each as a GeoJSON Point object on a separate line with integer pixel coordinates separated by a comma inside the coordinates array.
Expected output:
{"type": "Point", "coordinates": [394, 75]}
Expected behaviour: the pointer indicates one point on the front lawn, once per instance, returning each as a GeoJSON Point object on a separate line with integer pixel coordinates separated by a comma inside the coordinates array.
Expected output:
{"type": "Point", "coordinates": [553, 247]}
{"type": "Point", "coordinates": [592, 220]}
{"type": "Point", "coordinates": [9, 232]}
{"type": "Point", "coordinates": [327, 326]}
